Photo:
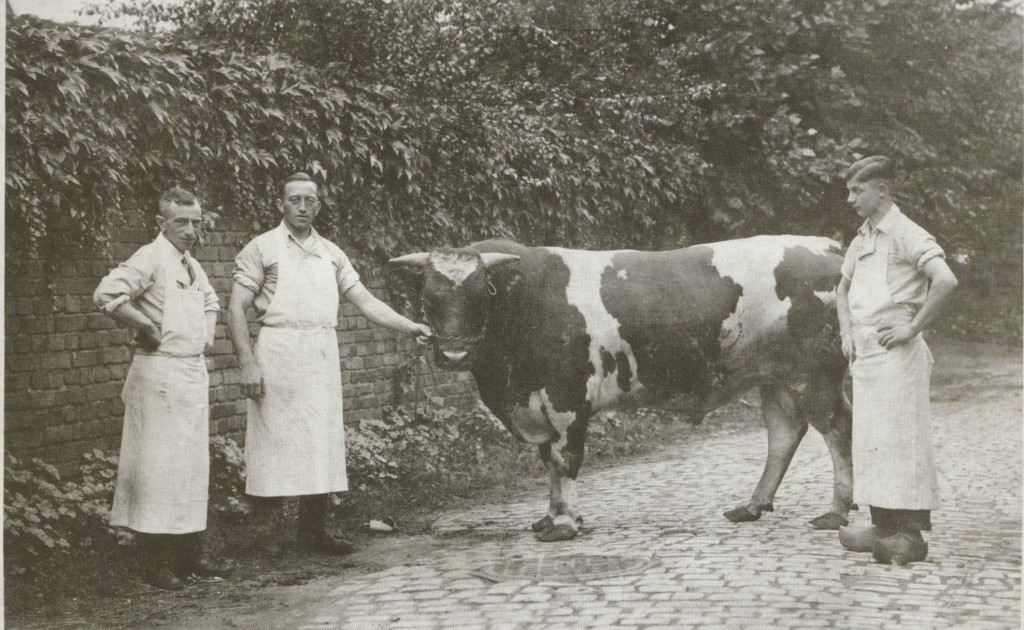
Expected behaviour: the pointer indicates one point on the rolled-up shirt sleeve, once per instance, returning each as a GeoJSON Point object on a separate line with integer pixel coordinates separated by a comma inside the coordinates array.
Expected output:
{"type": "Point", "coordinates": [249, 270]}
{"type": "Point", "coordinates": [920, 247]}
{"type": "Point", "coordinates": [345, 273]}
{"type": "Point", "coordinates": [128, 281]}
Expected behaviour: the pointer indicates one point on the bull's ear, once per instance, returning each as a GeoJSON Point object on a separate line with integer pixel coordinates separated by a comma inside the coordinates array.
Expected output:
{"type": "Point", "coordinates": [411, 260]}
{"type": "Point", "coordinates": [493, 260]}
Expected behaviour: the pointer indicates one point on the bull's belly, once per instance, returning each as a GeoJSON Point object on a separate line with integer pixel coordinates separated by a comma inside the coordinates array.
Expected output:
{"type": "Point", "coordinates": [538, 422]}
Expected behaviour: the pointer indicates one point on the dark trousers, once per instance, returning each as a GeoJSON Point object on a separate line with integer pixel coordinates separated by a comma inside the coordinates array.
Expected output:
{"type": "Point", "coordinates": [901, 520]}
{"type": "Point", "coordinates": [178, 552]}
{"type": "Point", "coordinates": [312, 512]}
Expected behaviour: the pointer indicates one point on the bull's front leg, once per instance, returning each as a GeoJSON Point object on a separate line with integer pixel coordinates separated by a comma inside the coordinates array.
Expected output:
{"type": "Point", "coordinates": [563, 460]}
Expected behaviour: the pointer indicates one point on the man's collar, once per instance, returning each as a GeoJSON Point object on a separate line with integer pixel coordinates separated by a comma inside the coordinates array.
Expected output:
{"type": "Point", "coordinates": [168, 247]}
{"type": "Point", "coordinates": [886, 224]}
{"type": "Point", "coordinates": [313, 237]}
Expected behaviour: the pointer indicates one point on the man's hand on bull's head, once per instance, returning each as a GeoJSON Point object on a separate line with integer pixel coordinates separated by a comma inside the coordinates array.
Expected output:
{"type": "Point", "coordinates": [422, 332]}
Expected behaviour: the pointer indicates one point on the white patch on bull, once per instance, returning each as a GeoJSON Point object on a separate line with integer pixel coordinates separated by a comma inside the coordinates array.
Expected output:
{"type": "Point", "coordinates": [530, 421]}
{"type": "Point", "coordinates": [827, 297]}
{"type": "Point", "coordinates": [622, 275]}
{"type": "Point", "coordinates": [751, 263]}
{"type": "Point", "coordinates": [584, 292]}
{"type": "Point", "coordinates": [559, 421]}
{"type": "Point", "coordinates": [455, 267]}
{"type": "Point", "coordinates": [571, 501]}
{"type": "Point", "coordinates": [538, 421]}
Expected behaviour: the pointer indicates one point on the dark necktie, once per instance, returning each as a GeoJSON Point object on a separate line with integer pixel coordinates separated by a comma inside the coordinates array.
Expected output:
{"type": "Point", "coordinates": [188, 268]}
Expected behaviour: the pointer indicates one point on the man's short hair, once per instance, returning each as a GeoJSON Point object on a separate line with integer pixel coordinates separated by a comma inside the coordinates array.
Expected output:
{"type": "Point", "coordinates": [870, 168]}
{"type": "Point", "coordinates": [297, 177]}
{"type": "Point", "coordinates": [177, 197]}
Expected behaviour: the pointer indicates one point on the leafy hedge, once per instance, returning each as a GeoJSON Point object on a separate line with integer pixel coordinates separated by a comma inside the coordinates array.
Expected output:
{"type": "Point", "coordinates": [47, 517]}
{"type": "Point", "coordinates": [99, 122]}
{"type": "Point", "coordinates": [440, 121]}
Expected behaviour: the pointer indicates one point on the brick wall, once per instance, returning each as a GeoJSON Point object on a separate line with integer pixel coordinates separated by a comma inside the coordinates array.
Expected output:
{"type": "Point", "coordinates": [66, 361]}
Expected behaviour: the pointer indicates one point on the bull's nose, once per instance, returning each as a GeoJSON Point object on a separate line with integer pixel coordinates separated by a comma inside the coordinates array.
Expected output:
{"type": "Point", "coordinates": [455, 357]}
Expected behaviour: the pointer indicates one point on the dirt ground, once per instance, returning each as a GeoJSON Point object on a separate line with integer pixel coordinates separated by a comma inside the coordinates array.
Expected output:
{"type": "Point", "coordinates": [262, 584]}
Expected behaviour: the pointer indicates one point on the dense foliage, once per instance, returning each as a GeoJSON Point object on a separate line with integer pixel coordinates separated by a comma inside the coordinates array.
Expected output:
{"type": "Point", "coordinates": [667, 123]}
{"type": "Point", "coordinates": [47, 517]}
{"type": "Point", "coordinates": [99, 122]}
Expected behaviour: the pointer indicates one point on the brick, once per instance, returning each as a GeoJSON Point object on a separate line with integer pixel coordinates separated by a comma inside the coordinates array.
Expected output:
{"type": "Point", "coordinates": [43, 399]}
{"type": "Point", "coordinates": [222, 410]}
{"type": "Point", "coordinates": [85, 358]}
{"type": "Point", "coordinates": [24, 363]}
{"type": "Point", "coordinates": [38, 325]}
{"type": "Point", "coordinates": [99, 321]}
{"type": "Point", "coordinates": [46, 380]}
{"type": "Point", "coordinates": [117, 354]}
{"type": "Point", "coordinates": [71, 396]}
{"type": "Point", "coordinates": [18, 441]}
{"type": "Point", "coordinates": [16, 382]}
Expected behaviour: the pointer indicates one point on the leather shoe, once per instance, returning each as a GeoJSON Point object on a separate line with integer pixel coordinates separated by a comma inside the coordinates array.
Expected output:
{"type": "Point", "coordinates": [322, 542]}
{"type": "Point", "coordinates": [860, 538]}
{"type": "Point", "coordinates": [161, 577]}
{"type": "Point", "coordinates": [209, 567]}
{"type": "Point", "coordinates": [900, 548]}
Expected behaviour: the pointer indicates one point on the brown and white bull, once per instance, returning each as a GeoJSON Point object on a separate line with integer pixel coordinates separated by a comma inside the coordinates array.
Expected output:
{"type": "Point", "coordinates": [554, 335]}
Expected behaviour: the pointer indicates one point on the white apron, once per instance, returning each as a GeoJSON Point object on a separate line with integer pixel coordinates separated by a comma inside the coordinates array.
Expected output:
{"type": "Point", "coordinates": [295, 437]}
{"type": "Point", "coordinates": [164, 466]}
{"type": "Point", "coordinates": [893, 461]}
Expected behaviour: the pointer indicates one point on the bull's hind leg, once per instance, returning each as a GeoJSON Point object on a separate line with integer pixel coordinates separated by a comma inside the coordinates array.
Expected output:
{"type": "Point", "coordinates": [786, 428]}
{"type": "Point", "coordinates": [832, 418]}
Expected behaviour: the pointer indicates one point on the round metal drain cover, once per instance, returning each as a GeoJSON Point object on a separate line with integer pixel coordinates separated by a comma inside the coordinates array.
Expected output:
{"type": "Point", "coordinates": [566, 568]}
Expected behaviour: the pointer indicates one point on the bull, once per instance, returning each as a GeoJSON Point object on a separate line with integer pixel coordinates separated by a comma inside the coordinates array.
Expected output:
{"type": "Point", "coordinates": [552, 336]}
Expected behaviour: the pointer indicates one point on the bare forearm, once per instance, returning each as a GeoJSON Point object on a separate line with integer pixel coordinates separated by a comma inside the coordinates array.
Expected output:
{"type": "Point", "coordinates": [380, 313]}
{"type": "Point", "coordinates": [843, 307]}
{"type": "Point", "coordinates": [128, 315]}
{"type": "Point", "coordinates": [238, 330]}
{"type": "Point", "coordinates": [938, 294]}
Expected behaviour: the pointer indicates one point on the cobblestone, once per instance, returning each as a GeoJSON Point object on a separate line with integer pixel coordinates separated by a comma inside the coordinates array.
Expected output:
{"type": "Point", "coordinates": [774, 573]}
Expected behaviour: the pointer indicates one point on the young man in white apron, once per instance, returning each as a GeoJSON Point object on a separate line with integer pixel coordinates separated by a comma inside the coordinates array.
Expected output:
{"type": "Point", "coordinates": [895, 279]}
{"type": "Point", "coordinates": [295, 438]}
{"type": "Point", "coordinates": [163, 471]}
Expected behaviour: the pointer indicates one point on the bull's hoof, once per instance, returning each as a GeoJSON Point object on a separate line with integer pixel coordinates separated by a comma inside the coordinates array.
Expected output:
{"type": "Point", "coordinates": [741, 515]}
{"type": "Point", "coordinates": [545, 523]}
{"type": "Point", "coordinates": [556, 533]}
{"type": "Point", "coordinates": [830, 521]}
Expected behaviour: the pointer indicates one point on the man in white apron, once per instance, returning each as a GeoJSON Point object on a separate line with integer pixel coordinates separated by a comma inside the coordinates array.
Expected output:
{"type": "Point", "coordinates": [895, 279]}
{"type": "Point", "coordinates": [295, 439]}
{"type": "Point", "coordinates": [163, 471]}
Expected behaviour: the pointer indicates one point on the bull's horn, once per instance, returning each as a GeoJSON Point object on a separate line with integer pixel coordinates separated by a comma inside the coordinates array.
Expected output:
{"type": "Point", "coordinates": [491, 260]}
{"type": "Point", "coordinates": [411, 260]}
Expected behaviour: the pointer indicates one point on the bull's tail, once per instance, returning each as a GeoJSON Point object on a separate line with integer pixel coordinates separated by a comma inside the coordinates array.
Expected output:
{"type": "Point", "coordinates": [847, 390]}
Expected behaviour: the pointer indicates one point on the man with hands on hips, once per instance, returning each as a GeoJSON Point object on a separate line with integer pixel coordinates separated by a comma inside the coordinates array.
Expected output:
{"type": "Point", "coordinates": [895, 280]}
{"type": "Point", "coordinates": [162, 482]}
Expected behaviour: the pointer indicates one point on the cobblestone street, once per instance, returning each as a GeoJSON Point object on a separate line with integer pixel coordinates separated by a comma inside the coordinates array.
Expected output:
{"type": "Point", "coordinates": [706, 572]}
{"type": "Point", "coordinates": [656, 552]}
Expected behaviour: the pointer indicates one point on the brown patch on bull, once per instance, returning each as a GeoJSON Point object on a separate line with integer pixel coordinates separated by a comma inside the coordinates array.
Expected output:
{"type": "Point", "coordinates": [813, 326]}
{"type": "Point", "coordinates": [670, 307]}
{"type": "Point", "coordinates": [552, 353]}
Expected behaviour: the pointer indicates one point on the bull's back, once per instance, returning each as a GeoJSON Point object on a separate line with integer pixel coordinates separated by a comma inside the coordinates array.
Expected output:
{"type": "Point", "coordinates": [600, 325]}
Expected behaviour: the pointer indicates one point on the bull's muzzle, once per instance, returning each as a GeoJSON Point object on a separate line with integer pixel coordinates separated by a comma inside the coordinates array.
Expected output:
{"type": "Point", "coordinates": [455, 356]}
{"type": "Point", "coordinates": [451, 359]}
